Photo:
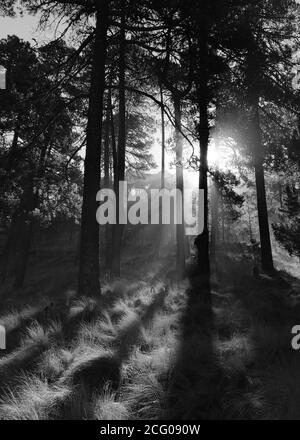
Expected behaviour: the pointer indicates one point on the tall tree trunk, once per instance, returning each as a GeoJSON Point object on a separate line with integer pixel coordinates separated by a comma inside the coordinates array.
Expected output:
{"type": "Point", "coordinates": [258, 155]}
{"type": "Point", "coordinates": [114, 177]}
{"type": "Point", "coordinates": [250, 224]}
{"type": "Point", "coordinates": [118, 230]}
{"type": "Point", "coordinates": [106, 148]}
{"type": "Point", "coordinates": [89, 268]}
{"type": "Point", "coordinates": [107, 183]}
{"type": "Point", "coordinates": [202, 241]}
{"type": "Point", "coordinates": [162, 182]}
{"type": "Point", "coordinates": [180, 251]}
{"type": "Point", "coordinates": [163, 138]}
{"type": "Point", "coordinates": [113, 144]}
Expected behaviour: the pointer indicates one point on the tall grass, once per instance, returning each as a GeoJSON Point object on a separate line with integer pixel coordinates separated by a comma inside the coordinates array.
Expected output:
{"type": "Point", "coordinates": [136, 354]}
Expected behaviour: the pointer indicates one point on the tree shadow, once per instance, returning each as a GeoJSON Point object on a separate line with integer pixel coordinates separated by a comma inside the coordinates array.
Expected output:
{"type": "Point", "coordinates": [23, 359]}
{"type": "Point", "coordinates": [196, 380]}
{"type": "Point", "coordinates": [16, 331]}
{"type": "Point", "coordinates": [104, 370]}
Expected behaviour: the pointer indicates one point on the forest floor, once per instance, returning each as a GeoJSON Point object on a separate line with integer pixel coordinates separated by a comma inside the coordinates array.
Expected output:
{"type": "Point", "coordinates": [151, 349]}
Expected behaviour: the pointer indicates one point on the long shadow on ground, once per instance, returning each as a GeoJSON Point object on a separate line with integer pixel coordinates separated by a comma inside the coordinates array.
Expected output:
{"type": "Point", "coordinates": [196, 380]}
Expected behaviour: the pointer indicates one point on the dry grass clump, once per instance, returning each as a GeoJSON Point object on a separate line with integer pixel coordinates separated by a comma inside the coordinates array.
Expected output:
{"type": "Point", "coordinates": [42, 335]}
{"type": "Point", "coordinates": [54, 363]}
{"type": "Point", "coordinates": [144, 395]}
{"type": "Point", "coordinates": [32, 399]}
{"type": "Point", "coordinates": [85, 308]}
{"type": "Point", "coordinates": [107, 407]}
{"type": "Point", "coordinates": [100, 332]}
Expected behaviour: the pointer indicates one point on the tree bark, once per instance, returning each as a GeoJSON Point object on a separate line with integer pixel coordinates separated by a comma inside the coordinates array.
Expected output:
{"type": "Point", "coordinates": [180, 250]}
{"type": "Point", "coordinates": [264, 230]}
{"type": "Point", "coordinates": [202, 241]}
{"type": "Point", "coordinates": [163, 138]}
{"type": "Point", "coordinates": [107, 183]}
{"type": "Point", "coordinates": [89, 269]}
{"type": "Point", "coordinates": [118, 230]}
{"type": "Point", "coordinates": [106, 148]}
{"type": "Point", "coordinates": [162, 183]}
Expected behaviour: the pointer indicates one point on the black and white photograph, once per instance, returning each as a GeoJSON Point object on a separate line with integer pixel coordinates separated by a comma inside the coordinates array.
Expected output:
{"type": "Point", "coordinates": [149, 213]}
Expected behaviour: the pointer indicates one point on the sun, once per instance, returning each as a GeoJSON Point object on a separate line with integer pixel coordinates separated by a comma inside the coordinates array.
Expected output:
{"type": "Point", "coordinates": [219, 155]}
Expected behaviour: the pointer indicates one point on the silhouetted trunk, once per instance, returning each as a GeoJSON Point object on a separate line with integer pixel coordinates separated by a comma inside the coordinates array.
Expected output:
{"type": "Point", "coordinates": [162, 183]}
{"type": "Point", "coordinates": [264, 230]}
{"type": "Point", "coordinates": [180, 251]}
{"type": "Point", "coordinates": [113, 142]}
{"type": "Point", "coordinates": [89, 269]}
{"type": "Point", "coordinates": [250, 224]}
{"type": "Point", "coordinates": [115, 180]}
{"type": "Point", "coordinates": [163, 138]}
{"type": "Point", "coordinates": [202, 241]}
{"type": "Point", "coordinates": [106, 149]}
{"type": "Point", "coordinates": [118, 230]}
{"type": "Point", "coordinates": [107, 184]}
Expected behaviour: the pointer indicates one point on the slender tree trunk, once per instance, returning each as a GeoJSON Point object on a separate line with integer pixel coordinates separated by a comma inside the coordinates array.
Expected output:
{"type": "Point", "coordinates": [106, 149]}
{"type": "Point", "coordinates": [162, 184]}
{"type": "Point", "coordinates": [266, 248]}
{"type": "Point", "coordinates": [163, 138]}
{"type": "Point", "coordinates": [118, 230]}
{"type": "Point", "coordinates": [113, 144]}
{"type": "Point", "coordinates": [180, 251]}
{"type": "Point", "coordinates": [214, 220]}
{"type": "Point", "coordinates": [114, 177]}
{"type": "Point", "coordinates": [202, 241]}
{"type": "Point", "coordinates": [107, 184]}
{"type": "Point", "coordinates": [89, 268]}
